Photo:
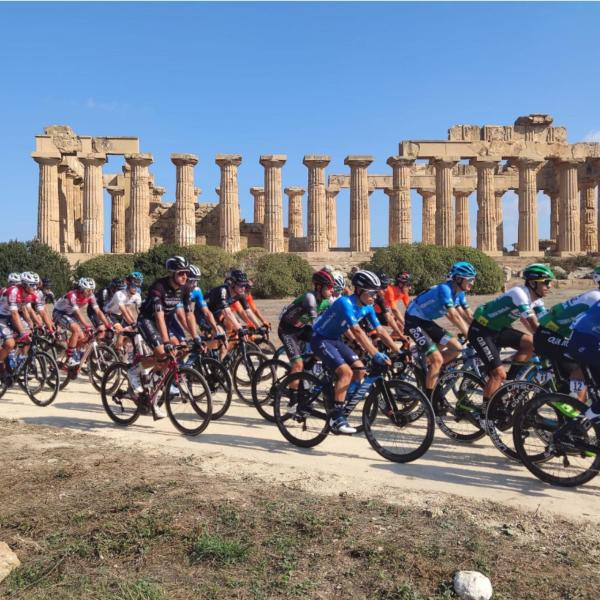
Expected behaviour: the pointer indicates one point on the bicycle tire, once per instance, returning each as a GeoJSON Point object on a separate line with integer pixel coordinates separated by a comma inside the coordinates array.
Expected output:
{"type": "Point", "coordinates": [291, 418]}
{"type": "Point", "coordinates": [542, 419]}
{"type": "Point", "coordinates": [267, 376]}
{"type": "Point", "coordinates": [453, 420]}
{"type": "Point", "coordinates": [197, 416]}
{"type": "Point", "coordinates": [220, 384]}
{"type": "Point", "coordinates": [242, 373]}
{"type": "Point", "coordinates": [113, 395]}
{"type": "Point", "coordinates": [386, 417]}
{"type": "Point", "coordinates": [107, 356]}
{"type": "Point", "coordinates": [41, 364]}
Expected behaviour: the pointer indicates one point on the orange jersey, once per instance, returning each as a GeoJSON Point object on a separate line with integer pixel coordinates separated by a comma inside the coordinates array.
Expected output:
{"type": "Point", "coordinates": [236, 307]}
{"type": "Point", "coordinates": [393, 295]}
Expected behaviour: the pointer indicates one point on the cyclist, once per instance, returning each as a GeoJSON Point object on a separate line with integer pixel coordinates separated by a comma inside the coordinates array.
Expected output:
{"type": "Point", "coordinates": [44, 296]}
{"type": "Point", "coordinates": [449, 299]}
{"type": "Point", "coordinates": [387, 313]}
{"type": "Point", "coordinates": [46, 287]}
{"type": "Point", "coordinates": [295, 321]}
{"type": "Point", "coordinates": [135, 278]}
{"type": "Point", "coordinates": [342, 316]}
{"type": "Point", "coordinates": [67, 313]}
{"type": "Point", "coordinates": [12, 279]}
{"type": "Point", "coordinates": [491, 327]}
{"type": "Point", "coordinates": [551, 338]}
{"type": "Point", "coordinates": [118, 309]}
{"type": "Point", "coordinates": [338, 286]}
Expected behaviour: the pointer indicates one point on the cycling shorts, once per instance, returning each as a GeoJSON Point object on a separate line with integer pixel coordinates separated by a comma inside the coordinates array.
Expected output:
{"type": "Point", "coordinates": [333, 353]}
{"type": "Point", "coordinates": [63, 319]}
{"type": "Point", "coordinates": [116, 319]}
{"type": "Point", "coordinates": [554, 348]}
{"type": "Point", "coordinates": [94, 319]}
{"type": "Point", "coordinates": [175, 329]}
{"type": "Point", "coordinates": [585, 349]}
{"type": "Point", "coordinates": [294, 340]}
{"type": "Point", "coordinates": [6, 329]}
{"type": "Point", "coordinates": [149, 332]}
{"type": "Point", "coordinates": [488, 343]}
{"type": "Point", "coordinates": [426, 334]}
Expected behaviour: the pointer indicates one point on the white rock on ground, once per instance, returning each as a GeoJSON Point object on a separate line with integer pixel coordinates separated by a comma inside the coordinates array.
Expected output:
{"type": "Point", "coordinates": [8, 561]}
{"type": "Point", "coordinates": [472, 585]}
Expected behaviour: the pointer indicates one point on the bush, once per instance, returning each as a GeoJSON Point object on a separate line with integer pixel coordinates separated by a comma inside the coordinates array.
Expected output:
{"type": "Point", "coordinates": [572, 263]}
{"type": "Point", "coordinates": [104, 268]}
{"type": "Point", "coordinates": [280, 275]}
{"type": "Point", "coordinates": [429, 265]}
{"type": "Point", "coordinates": [35, 256]}
{"type": "Point", "coordinates": [247, 260]}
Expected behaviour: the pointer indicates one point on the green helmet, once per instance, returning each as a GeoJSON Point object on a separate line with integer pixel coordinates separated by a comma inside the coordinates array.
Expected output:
{"type": "Point", "coordinates": [537, 272]}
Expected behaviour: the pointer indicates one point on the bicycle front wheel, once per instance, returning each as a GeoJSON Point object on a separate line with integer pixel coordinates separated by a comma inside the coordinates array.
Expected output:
{"type": "Point", "coordinates": [242, 373]}
{"type": "Point", "coordinates": [219, 382]}
{"type": "Point", "coordinates": [188, 401]}
{"type": "Point", "coordinates": [551, 426]}
{"type": "Point", "coordinates": [118, 399]}
{"type": "Point", "coordinates": [264, 383]}
{"type": "Point", "coordinates": [398, 421]}
{"type": "Point", "coordinates": [41, 378]}
{"type": "Point", "coordinates": [98, 362]}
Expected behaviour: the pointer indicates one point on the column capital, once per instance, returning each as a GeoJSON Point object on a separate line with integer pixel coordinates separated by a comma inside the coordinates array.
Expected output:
{"type": "Point", "coordinates": [294, 191]}
{"type": "Point", "coordinates": [531, 162]}
{"type": "Point", "coordinates": [115, 190]}
{"type": "Point", "coordinates": [502, 192]}
{"type": "Point", "coordinates": [461, 192]}
{"type": "Point", "coordinates": [425, 192]}
{"type": "Point", "coordinates": [316, 160]}
{"type": "Point", "coordinates": [139, 159]}
{"type": "Point", "coordinates": [159, 190]}
{"type": "Point", "coordinates": [388, 191]}
{"type": "Point", "coordinates": [332, 191]}
{"type": "Point", "coordinates": [94, 159]}
{"type": "Point", "coordinates": [570, 162]}
{"type": "Point", "coordinates": [400, 161]}
{"type": "Point", "coordinates": [257, 191]}
{"type": "Point", "coordinates": [273, 160]}
{"type": "Point", "coordinates": [228, 159]}
{"type": "Point", "coordinates": [46, 158]}
{"type": "Point", "coordinates": [184, 159]}
{"type": "Point", "coordinates": [358, 160]}
{"type": "Point", "coordinates": [445, 161]}
{"type": "Point", "coordinates": [485, 163]}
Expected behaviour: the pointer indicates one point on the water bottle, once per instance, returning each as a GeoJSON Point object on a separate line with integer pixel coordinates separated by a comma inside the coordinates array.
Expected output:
{"type": "Point", "coordinates": [11, 361]}
{"type": "Point", "coordinates": [21, 358]}
{"type": "Point", "coordinates": [357, 392]}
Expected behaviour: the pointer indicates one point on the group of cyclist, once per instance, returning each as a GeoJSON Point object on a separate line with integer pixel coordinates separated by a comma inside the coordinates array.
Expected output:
{"type": "Point", "coordinates": [333, 321]}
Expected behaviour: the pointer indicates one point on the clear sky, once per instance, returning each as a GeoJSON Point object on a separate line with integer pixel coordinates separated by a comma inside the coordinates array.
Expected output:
{"type": "Point", "coordinates": [291, 78]}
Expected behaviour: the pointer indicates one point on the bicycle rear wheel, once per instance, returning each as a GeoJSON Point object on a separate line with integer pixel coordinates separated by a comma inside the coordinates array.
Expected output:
{"type": "Point", "coordinates": [398, 421]}
{"type": "Point", "coordinates": [41, 378]}
{"type": "Point", "coordinates": [551, 426]}
{"type": "Point", "coordinates": [300, 409]}
{"type": "Point", "coordinates": [188, 401]}
{"type": "Point", "coordinates": [457, 401]}
{"type": "Point", "coordinates": [118, 399]}
{"type": "Point", "coordinates": [242, 373]}
{"type": "Point", "coordinates": [98, 362]}
{"type": "Point", "coordinates": [264, 384]}
{"type": "Point", "coordinates": [220, 384]}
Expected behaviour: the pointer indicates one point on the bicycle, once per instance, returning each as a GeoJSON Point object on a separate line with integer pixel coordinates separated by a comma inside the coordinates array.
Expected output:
{"type": "Point", "coordinates": [184, 392]}
{"type": "Point", "coordinates": [559, 446]}
{"type": "Point", "coordinates": [260, 337]}
{"type": "Point", "coordinates": [35, 372]}
{"type": "Point", "coordinates": [393, 426]}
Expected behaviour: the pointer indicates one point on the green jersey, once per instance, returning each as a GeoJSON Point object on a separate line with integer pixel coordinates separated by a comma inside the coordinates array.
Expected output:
{"type": "Point", "coordinates": [302, 311]}
{"type": "Point", "coordinates": [561, 316]}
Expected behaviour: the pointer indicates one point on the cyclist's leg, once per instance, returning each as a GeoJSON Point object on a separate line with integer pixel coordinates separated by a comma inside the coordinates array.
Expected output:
{"type": "Point", "coordinates": [583, 347]}
{"type": "Point", "coordinates": [294, 348]}
{"type": "Point", "coordinates": [427, 348]}
{"type": "Point", "coordinates": [484, 342]}
{"type": "Point", "coordinates": [447, 344]}
{"type": "Point", "coordinates": [7, 342]}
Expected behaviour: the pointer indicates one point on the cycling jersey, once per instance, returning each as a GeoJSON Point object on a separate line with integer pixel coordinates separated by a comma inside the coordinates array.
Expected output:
{"type": "Point", "coordinates": [589, 321]}
{"type": "Point", "coordinates": [162, 297]}
{"type": "Point", "coordinates": [197, 298]}
{"type": "Point", "coordinates": [501, 312]}
{"type": "Point", "coordinates": [122, 298]}
{"type": "Point", "coordinates": [302, 311]}
{"type": "Point", "coordinates": [73, 300]}
{"type": "Point", "coordinates": [342, 315]}
{"type": "Point", "coordinates": [584, 344]}
{"type": "Point", "coordinates": [561, 316]}
{"type": "Point", "coordinates": [14, 298]}
{"type": "Point", "coordinates": [381, 306]}
{"type": "Point", "coordinates": [40, 300]}
{"type": "Point", "coordinates": [393, 295]}
{"type": "Point", "coordinates": [220, 298]}
{"type": "Point", "coordinates": [435, 302]}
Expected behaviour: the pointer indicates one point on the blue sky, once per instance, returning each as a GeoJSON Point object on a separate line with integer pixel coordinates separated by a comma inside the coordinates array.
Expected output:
{"type": "Point", "coordinates": [293, 78]}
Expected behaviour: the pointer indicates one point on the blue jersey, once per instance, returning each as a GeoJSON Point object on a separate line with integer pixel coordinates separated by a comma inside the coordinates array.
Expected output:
{"type": "Point", "coordinates": [589, 321]}
{"type": "Point", "coordinates": [197, 297]}
{"type": "Point", "coordinates": [341, 315]}
{"type": "Point", "coordinates": [435, 302]}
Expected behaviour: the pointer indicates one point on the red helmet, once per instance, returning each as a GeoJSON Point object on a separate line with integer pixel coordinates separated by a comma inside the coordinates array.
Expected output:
{"type": "Point", "coordinates": [323, 277]}
{"type": "Point", "coordinates": [402, 278]}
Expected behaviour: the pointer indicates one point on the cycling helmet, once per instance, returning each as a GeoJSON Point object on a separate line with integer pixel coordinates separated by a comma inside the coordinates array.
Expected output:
{"type": "Point", "coordinates": [596, 274]}
{"type": "Point", "coordinates": [323, 277]}
{"type": "Point", "coordinates": [238, 277]}
{"type": "Point", "coordinates": [194, 273]}
{"type": "Point", "coordinates": [462, 269]}
{"type": "Point", "coordinates": [177, 263]}
{"type": "Point", "coordinates": [14, 278]}
{"type": "Point", "coordinates": [328, 268]}
{"type": "Point", "coordinates": [135, 277]}
{"type": "Point", "coordinates": [86, 283]}
{"type": "Point", "coordinates": [114, 282]}
{"type": "Point", "coordinates": [29, 278]}
{"type": "Point", "coordinates": [402, 278]}
{"type": "Point", "coordinates": [385, 280]}
{"type": "Point", "coordinates": [537, 272]}
{"type": "Point", "coordinates": [340, 281]}
{"type": "Point", "coordinates": [366, 280]}
{"type": "Point", "coordinates": [46, 282]}
{"type": "Point", "coordinates": [119, 284]}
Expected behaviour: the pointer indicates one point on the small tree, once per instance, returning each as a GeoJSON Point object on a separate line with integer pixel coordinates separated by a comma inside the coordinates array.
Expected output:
{"type": "Point", "coordinates": [280, 275]}
{"type": "Point", "coordinates": [104, 268]}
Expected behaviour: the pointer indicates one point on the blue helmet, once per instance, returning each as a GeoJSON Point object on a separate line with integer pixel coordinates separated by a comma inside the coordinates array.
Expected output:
{"type": "Point", "coordinates": [462, 269]}
{"type": "Point", "coordinates": [135, 277]}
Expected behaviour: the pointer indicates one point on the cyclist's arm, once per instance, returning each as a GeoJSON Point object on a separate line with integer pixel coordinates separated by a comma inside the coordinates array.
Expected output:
{"type": "Point", "coordinates": [45, 317]}
{"type": "Point", "coordinates": [531, 323]}
{"type": "Point", "coordinates": [126, 314]}
{"type": "Point", "coordinates": [211, 319]}
{"type": "Point", "coordinates": [102, 317]}
{"type": "Point", "coordinates": [466, 313]}
{"type": "Point", "coordinates": [386, 338]}
{"type": "Point", "coordinates": [77, 314]}
{"type": "Point", "coordinates": [16, 319]}
{"type": "Point", "coordinates": [363, 339]}
{"type": "Point", "coordinates": [456, 319]}
{"type": "Point", "coordinates": [250, 318]}
{"type": "Point", "coordinates": [230, 315]}
{"type": "Point", "coordinates": [159, 319]}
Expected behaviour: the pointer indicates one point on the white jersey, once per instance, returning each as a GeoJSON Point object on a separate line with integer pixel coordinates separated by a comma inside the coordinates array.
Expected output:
{"type": "Point", "coordinates": [122, 298]}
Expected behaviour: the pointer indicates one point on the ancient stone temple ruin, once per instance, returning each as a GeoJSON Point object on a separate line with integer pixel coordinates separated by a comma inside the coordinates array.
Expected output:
{"type": "Point", "coordinates": [528, 157]}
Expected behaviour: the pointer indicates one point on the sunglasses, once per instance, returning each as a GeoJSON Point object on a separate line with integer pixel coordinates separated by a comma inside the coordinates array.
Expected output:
{"type": "Point", "coordinates": [546, 282]}
{"type": "Point", "coordinates": [370, 293]}
{"type": "Point", "coordinates": [469, 279]}
{"type": "Point", "coordinates": [180, 273]}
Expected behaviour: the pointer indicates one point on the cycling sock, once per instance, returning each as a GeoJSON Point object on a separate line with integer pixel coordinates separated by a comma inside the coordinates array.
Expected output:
{"type": "Point", "coordinates": [70, 351]}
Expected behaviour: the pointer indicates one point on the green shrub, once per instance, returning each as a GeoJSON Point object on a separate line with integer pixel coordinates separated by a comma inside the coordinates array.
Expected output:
{"type": "Point", "coordinates": [247, 260]}
{"type": "Point", "coordinates": [571, 263]}
{"type": "Point", "coordinates": [104, 268]}
{"type": "Point", "coordinates": [35, 256]}
{"type": "Point", "coordinates": [429, 265]}
{"type": "Point", "coordinates": [280, 275]}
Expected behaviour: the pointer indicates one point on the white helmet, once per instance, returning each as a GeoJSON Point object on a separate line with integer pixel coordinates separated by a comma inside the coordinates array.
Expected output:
{"type": "Point", "coordinates": [86, 283]}
{"type": "Point", "coordinates": [29, 278]}
{"type": "Point", "coordinates": [366, 280]}
{"type": "Point", "coordinates": [14, 278]}
{"type": "Point", "coordinates": [340, 281]}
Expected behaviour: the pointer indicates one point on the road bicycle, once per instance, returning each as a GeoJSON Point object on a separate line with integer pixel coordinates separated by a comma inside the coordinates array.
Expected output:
{"type": "Point", "coordinates": [182, 390]}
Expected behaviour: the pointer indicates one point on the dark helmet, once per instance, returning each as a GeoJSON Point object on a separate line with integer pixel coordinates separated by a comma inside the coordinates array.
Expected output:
{"type": "Point", "coordinates": [403, 278]}
{"type": "Point", "coordinates": [366, 280]}
{"type": "Point", "coordinates": [237, 276]}
{"type": "Point", "coordinates": [385, 279]}
{"type": "Point", "coordinates": [46, 282]}
{"type": "Point", "coordinates": [177, 263]}
{"type": "Point", "coordinates": [115, 283]}
{"type": "Point", "coordinates": [120, 284]}
{"type": "Point", "coordinates": [194, 273]}
{"type": "Point", "coordinates": [323, 277]}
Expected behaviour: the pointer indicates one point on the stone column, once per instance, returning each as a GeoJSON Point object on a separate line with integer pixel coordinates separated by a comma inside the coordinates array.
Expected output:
{"type": "Point", "coordinates": [568, 224]}
{"type": "Point", "coordinates": [331, 194]}
{"type": "Point", "coordinates": [445, 233]}
{"type": "Point", "coordinates": [360, 227]}
{"type": "Point", "coordinates": [273, 227]}
{"type": "Point", "coordinates": [139, 228]}
{"type": "Point", "coordinates": [589, 227]}
{"type": "Point", "coordinates": [48, 203]}
{"type": "Point", "coordinates": [499, 221]}
{"type": "Point", "coordinates": [78, 211]}
{"type": "Point", "coordinates": [92, 219]}
{"type": "Point", "coordinates": [399, 220]}
{"type": "Point", "coordinates": [428, 216]}
{"type": "Point", "coordinates": [554, 215]}
{"type": "Point", "coordinates": [317, 238]}
{"type": "Point", "coordinates": [229, 212]}
{"type": "Point", "coordinates": [528, 237]}
{"type": "Point", "coordinates": [259, 204]}
{"type": "Point", "coordinates": [66, 216]}
{"type": "Point", "coordinates": [185, 216]}
{"type": "Point", "coordinates": [487, 209]}
{"type": "Point", "coordinates": [463, 226]}
{"type": "Point", "coordinates": [294, 195]}
{"type": "Point", "coordinates": [158, 193]}
{"type": "Point", "coordinates": [117, 225]}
